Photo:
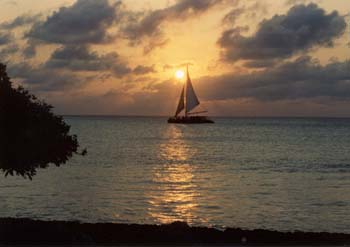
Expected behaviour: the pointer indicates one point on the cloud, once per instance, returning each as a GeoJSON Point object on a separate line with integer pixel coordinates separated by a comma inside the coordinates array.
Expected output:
{"type": "Point", "coordinates": [260, 63]}
{"type": "Point", "coordinates": [30, 50]}
{"type": "Point", "coordinates": [141, 70]}
{"type": "Point", "coordinates": [79, 58]}
{"type": "Point", "coordinates": [40, 79]}
{"type": "Point", "coordinates": [8, 50]}
{"type": "Point", "coordinates": [5, 38]}
{"type": "Point", "coordinates": [149, 24]}
{"type": "Point", "coordinates": [233, 15]}
{"type": "Point", "coordinates": [123, 102]}
{"type": "Point", "coordinates": [85, 22]}
{"type": "Point", "coordinates": [302, 28]}
{"type": "Point", "coordinates": [21, 21]}
{"type": "Point", "coordinates": [303, 78]}
{"type": "Point", "coordinates": [250, 10]}
{"type": "Point", "coordinates": [155, 43]}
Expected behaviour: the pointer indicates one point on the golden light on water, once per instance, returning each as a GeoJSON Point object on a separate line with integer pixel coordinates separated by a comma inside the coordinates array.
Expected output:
{"type": "Point", "coordinates": [174, 197]}
{"type": "Point", "coordinates": [180, 74]}
{"type": "Point", "coordinates": [175, 200]}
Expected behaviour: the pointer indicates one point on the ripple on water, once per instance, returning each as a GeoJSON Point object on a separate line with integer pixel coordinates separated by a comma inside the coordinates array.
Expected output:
{"type": "Point", "coordinates": [284, 174]}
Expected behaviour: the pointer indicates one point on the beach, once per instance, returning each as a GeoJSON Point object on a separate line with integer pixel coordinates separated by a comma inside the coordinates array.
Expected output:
{"type": "Point", "coordinates": [26, 231]}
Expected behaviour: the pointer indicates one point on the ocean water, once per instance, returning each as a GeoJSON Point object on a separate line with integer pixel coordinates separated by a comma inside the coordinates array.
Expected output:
{"type": "Point", "coordinates": [282, 174]}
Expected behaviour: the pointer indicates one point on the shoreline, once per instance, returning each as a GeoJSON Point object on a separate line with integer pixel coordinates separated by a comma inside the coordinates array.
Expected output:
{"type": "Point", "coordinates": [28, 231]}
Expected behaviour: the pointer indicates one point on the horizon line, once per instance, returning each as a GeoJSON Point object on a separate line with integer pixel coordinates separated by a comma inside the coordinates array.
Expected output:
{"type": "Point", "coordinates": [217, 116]}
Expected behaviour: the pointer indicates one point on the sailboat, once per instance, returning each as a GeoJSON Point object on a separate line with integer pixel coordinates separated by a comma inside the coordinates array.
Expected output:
{"type": "Point", "coordinates": [187, 102]}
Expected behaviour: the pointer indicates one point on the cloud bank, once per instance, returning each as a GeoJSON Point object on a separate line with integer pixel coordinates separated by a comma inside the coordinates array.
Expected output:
{"type": "Point", "coordinates": [302, 78]}
{"type": "Point", "coordinates": [85, 22]}
{"type": "Point", "coordinates": [302, 28]}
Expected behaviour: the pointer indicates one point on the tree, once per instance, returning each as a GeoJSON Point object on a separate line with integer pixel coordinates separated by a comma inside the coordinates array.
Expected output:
{"type": "Point", "coordinates": [31, 136]}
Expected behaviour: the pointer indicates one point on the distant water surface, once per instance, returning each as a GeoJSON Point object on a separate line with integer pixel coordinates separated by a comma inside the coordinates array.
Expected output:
{"type": "Point", "coordinates": [282, 174]}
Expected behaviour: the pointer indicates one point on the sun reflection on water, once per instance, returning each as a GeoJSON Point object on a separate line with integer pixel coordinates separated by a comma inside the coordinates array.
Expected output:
{"type": "Point", "coordinates": [174, 195]}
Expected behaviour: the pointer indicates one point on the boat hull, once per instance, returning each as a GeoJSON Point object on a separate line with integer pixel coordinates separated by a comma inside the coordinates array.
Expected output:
{"type": "Point", "coordinates": [190, 120]}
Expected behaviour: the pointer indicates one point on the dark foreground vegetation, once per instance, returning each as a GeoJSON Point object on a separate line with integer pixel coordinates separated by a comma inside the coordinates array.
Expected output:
{"type": "Point", "coordinates": [31, 136]}
{"type": "Point", "coordinates": [26, 231]}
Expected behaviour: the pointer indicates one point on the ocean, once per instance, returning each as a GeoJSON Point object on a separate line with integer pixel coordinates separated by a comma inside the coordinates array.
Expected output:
{"type": "Point", "coordinates": [269, 173]}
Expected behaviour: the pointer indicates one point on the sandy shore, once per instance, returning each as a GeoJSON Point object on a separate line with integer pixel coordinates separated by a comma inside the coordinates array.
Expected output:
{"type": "Point", "coordinates": [27, 231]}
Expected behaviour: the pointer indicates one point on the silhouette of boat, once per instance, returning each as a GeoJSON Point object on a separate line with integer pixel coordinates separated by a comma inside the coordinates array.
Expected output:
{"type": "Point", "coordinates": [187, 102]}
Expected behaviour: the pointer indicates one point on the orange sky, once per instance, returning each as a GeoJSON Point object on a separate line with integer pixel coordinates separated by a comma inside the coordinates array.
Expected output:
{"type": "Point", "coordinates": [137, 80]}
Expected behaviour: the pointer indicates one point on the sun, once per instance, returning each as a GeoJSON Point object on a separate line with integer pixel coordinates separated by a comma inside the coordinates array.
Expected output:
{"type": "Point", "coordinates": [180, 74]}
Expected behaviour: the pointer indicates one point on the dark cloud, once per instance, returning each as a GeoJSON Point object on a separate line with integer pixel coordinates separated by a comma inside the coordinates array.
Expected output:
{"type": "Point", "coordinates": [249, 10]}
{"type": "Point", "coordinates": [8, 50]}
{"type": "Point", "coordinates": [302, 28]}
{"type": "Point", "coordinates": [150, 23]}
{"type": "Point", "coordinates": [303, 78]}
{"type": "Point", "coordinates": [232, 16]}
{"type": "Point", "coordinates": [155, 43]}
{"type": "Point", "coordinates": [5, 38]}
{"type": "Point", "coordinates": [40, 79]}
{"type": "Point", "coordinates": [30, 50]}
{"type": "Point", "coordinates": [86, 21]}
{"type": "Point", "coordinates": [260, 63]}
{"type": "Point", "coordinates": [79, 58]}
{"type": "Point", "coordinates": [141, 70]}
{"type": "Point", "coordinates": [21, 21]}
{"type": "Point", "coordinates": [120, 69]}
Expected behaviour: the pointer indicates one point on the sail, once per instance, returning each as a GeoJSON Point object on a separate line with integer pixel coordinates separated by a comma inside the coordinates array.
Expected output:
{"type": "Point", "coordinates": [191, 97]}
{"type": "Point", "coordinates": [181, 104]}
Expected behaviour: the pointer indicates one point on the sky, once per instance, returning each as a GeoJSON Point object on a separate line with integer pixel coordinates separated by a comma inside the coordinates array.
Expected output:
{"type": "Point", "coordinates": [246, 57]}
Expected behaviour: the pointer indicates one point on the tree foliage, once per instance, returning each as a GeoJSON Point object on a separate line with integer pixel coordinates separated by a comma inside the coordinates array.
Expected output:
{"type": "Point", "coordinates": [31, 136]}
